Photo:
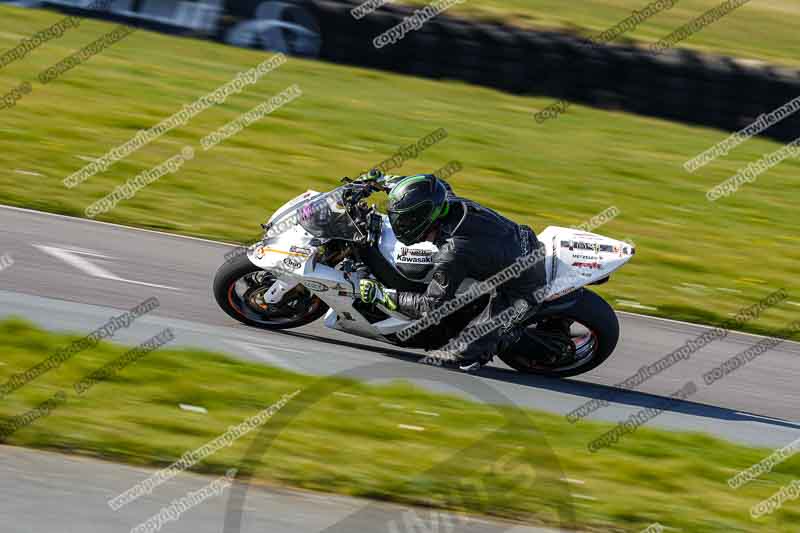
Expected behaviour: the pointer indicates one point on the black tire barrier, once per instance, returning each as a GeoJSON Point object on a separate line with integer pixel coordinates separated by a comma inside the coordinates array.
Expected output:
{"type": "Point", "coordinates": [680, 85]}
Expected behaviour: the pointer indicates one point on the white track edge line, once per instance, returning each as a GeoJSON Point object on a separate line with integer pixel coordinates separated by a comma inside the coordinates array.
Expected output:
{"type": "Point", "coordinates": [122, 226]}
{"type": "Point", "coordinates": [705, 326]}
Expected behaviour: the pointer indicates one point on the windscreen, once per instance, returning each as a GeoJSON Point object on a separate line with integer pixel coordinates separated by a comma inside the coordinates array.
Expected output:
{"type": "Point", "coordinates": [323, 216]}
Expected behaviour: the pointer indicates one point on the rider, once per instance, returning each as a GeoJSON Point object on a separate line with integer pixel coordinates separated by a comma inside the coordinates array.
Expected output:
{"type": "Point", "coordinates": [473, 242]}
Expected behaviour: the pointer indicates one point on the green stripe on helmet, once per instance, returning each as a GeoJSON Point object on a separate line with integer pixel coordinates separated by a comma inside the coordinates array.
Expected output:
{"type": "Point", "coordinates": [405, 182]}
{"type": "Point", "coordinates": [445, 209]}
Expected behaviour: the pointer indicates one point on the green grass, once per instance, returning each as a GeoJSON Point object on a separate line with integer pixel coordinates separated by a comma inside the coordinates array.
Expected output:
{"type": "Point", "coordinates": [761, 29]}
{"type": "Point", "coordinates": [354, 445]}
{"type": "Point", "coordinates": [561, 172]}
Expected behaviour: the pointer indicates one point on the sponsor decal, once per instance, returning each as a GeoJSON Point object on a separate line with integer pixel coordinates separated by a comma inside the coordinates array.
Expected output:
{"type": "Point", "coordinates": [299, 250]}
{"type": "Point", "coordinates": [344, 290]}
{"type": "Point", "coordinates": [415, 251]}
{"type": "Point", "coordinates": [315, 286]}
{"type": "Point", "coordinates": [559, 294]}
{"type": "Point", "coordinates": [414, 255]}
{"type": "Point", "coordinates": [292, 263]}
{"type": "Point", "coordinates": [422, 260]}
{"type": "Point", "coordinates": [590, 257]}
{"type": "Point", "coordinates": [594, 265]}
{"type": "Point", "coordinates": [259, 252]}
{"type": "Point", "coordinates": [264, 249]}
{"type": "Point", "coordinates": [590, 246]}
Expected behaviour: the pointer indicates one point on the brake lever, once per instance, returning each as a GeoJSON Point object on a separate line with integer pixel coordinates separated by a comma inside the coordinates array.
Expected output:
{"type": "Point", "coordinates": [374, 225]}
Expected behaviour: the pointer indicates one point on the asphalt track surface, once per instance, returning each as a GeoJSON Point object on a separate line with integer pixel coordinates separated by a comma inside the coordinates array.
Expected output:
{"type": "Point", "coordinates": [71, 275]}
{"type": "Point", "coordinates": [53, 493]}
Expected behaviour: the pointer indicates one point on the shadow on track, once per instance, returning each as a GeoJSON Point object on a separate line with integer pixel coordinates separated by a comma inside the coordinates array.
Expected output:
{"type": "Point", "coordinates": [574, 387]}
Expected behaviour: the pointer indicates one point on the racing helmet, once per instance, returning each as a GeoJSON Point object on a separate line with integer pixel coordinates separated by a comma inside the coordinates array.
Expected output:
{"type": "Point", "coordinates": [415, 203]}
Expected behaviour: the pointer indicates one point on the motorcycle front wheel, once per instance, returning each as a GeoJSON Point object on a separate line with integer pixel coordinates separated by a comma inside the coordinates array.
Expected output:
{"type": "Point", "coordinates": [581, 338]}
{"type": "Point", "coordinates": [239, 288]}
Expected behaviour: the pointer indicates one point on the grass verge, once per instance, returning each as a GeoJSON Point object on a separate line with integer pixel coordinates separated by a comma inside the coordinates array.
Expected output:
{"type": "Point", "coordinates": [757, 30]}
{"type": "Point", "coordinates": [694, 258]}
{"type": "Point", "coordinates": [359, 442]}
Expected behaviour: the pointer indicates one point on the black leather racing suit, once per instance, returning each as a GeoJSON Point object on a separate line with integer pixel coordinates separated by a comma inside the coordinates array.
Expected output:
{"type": "Point", "coordinates": [476, 242]}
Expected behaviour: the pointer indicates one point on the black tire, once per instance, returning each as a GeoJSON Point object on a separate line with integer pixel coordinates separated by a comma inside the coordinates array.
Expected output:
{"type": "Point", "coordinates": [236, 269]}
{"type": "Point", "coordinates": [596, 315]}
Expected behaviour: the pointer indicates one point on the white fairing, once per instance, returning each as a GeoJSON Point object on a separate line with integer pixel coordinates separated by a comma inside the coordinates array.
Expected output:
{"type": "Point", "coordinates": [577, 258]}
{"type": "Point", "coordinates": [574, 259]}
{"type": "Point", "coordinates": [293, 203]}
{"type": "Point", "coordinates": [290, 257]}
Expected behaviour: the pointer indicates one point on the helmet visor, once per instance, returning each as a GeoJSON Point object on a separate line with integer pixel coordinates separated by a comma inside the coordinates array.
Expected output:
{"type": "Point", "coordinates": [411, 224]}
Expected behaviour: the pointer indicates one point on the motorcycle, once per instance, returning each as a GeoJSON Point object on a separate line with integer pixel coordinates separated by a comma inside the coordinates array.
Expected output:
{"type": "Point", "coordinates": [318, 246]}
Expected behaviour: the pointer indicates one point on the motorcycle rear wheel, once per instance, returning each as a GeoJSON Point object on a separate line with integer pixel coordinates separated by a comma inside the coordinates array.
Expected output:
{"type": "Point", "coordinates": [590, 325]}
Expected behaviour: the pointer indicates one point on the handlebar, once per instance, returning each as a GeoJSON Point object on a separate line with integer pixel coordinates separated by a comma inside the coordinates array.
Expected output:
{"type": "Point", "coordinates": [375, 180]}
{"type": "Point", "coordinates": [359, 189]}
